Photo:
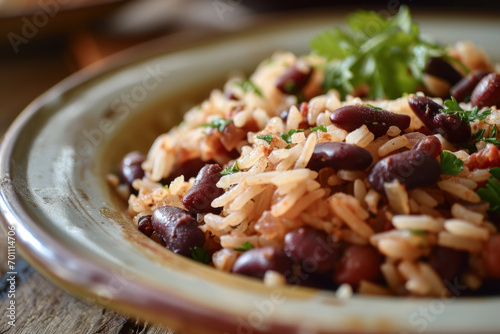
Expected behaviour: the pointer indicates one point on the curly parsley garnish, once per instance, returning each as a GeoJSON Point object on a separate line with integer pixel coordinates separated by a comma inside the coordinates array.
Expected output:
{"type": "Point", "coordinates": [231, 169]}
{"type": "Point", "coordinates": [450, 164]}
{"type": "Point", "coordinates": [491, 192]}
{"type": "Point", "coordinates": [217, 123]}
{"type": "Point", "coordinates": [249, 86]}
{"type": "Point", "coordinates": [388, 54]}
{"type": "Point", "coordinates": [452, 107]}
{"type": "Point", "coordinates": [200, 254]}
{"type": "Point", "coordinates": [245, 247]}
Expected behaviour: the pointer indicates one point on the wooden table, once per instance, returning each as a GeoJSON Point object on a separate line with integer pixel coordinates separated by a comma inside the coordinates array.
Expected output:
{"type": "Point", "coordinates": [42, 307]}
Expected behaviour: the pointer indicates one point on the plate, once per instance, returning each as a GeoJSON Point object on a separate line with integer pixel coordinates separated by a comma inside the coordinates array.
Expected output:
{"type": "Point", "coordinates": [73, 229]}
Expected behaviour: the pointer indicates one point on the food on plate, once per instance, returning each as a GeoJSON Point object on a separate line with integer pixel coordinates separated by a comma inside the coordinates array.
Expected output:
{"type": "Point", "coordinates": [370, 164]}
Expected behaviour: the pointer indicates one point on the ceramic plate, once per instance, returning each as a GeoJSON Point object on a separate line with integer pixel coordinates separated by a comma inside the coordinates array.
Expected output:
{"type": "Point", "coordinates": [72, 228]}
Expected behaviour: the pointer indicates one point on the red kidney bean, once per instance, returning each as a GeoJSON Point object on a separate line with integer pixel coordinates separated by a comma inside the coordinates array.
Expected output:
{"type": "Point", "coordinates": [440, 68]}
{"type": "Point", "coordinates": [144, 225]}
{"type": "Point", "coordinates": [447, 262]}
{"type": "Point", "coordinates": [189, 168]}
{"type": "Point", "coordinates": [491, 257]}
{"type": "Point", "coordinates": [294, 79]}
{"type": "Point", "coordinates": [312, 249]}
{"type": "Point", "coordinates": [339, 156]}
{"type": "Point", "coordinates": [430, 145]}
{"type": "Point", "coordinates": [464, 87]}
{"type": "Point", "coordinates": [204, 190]}
{"type": "Point", "coordinates": [450, 126]}
{"type": "Point", "coordinates": [358, 263]}
{"type": "Point", "coordinates": [231, 136]}
{"type": "Point", "coordinates": [414, 168]}
{"type": "Point", "coordinates": [130, 167]}
{"type": "Point", "coordinates": [178, 229]}
{"type": "Point", "coordinates": [378, 121]}
{"type": "Point", "coordinates": [257, 261]}
{"type": "Point", "coordinates": [487, 91]}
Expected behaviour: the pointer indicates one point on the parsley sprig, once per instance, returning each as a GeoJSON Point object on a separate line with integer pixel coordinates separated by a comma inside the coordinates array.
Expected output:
{"type": "Point", "coordinates": [491, 192]}
{"type": "Point", "coordinates": [249, 86]}
{"type": "Point", "coordinates": [450, 164]}
{"type": "Point", "coordinates": [452, 107]}
{"type": "Point", "coordinates": [200, 254]}
{"type": "Point", "coordinates": [267, 138]}
{"type": "Point", "coordinates": [387, 54]}
{"type": "Point", "coordinates": [479, 136]}
{"type": "Point", "coordinates": [230, 169]}
{"type": "Point", "coordinates": [217, 123]}
{"type": "Point", "coordinates": [287, 137]}
{"type": "Point", "coordinates": [245, 247]}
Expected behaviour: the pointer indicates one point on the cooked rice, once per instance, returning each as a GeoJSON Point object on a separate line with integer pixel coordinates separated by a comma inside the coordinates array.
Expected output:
{"type": "Point", "coordinates": [274, 192]}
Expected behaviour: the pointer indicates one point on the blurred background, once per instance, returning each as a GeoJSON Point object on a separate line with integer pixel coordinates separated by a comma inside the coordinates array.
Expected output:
{"type": "Point", "coordinates": [44, 41]}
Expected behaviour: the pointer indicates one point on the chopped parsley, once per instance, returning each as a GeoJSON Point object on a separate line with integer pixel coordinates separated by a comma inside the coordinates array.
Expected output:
{"type": "Point", "coordinates": [200, 254]}
{"type": "Point", "coordinates": [231, 169]}
{"type": "Point", "coordinates": [288, 147]}
{"type": "Point", "coordinates": [491, 191]}
{"type": "Point", "coordinates": [268, 138]}
{"type": "Point", "coordinates": [452, 107]}
{"type": "Point", "coordinates": [479, 136]}
{"type": "Point", "coordinates": [374, 107]}
{"type": "Point", "coordinates": [450, 164]}
{"type": "Point", "coordinates": [321, 127]}
{"type": "Point", "coordinates": [245, 247]}
{"type": "Point", "coordinates": [165, 186]}
{"type": "Point", "coordinates": [287, 137]}
{"type": "Point", "coordinates": [388, 54]}
{"type": "Point", "coordinates": [419, 232]}
{"type": "Point", "coordinates": [249, 86]}
{"type": "Point", "coordinates": [217, 123]}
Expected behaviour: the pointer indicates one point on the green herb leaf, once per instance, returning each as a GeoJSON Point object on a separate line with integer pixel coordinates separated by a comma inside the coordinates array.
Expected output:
{"type": "Point", "coordinates": [321, 127]}
{"type": "Point", "coordinates": [245, 247]}
{"type": "Point", "coordinates": [288, 147]}
{"type": "Point", "coordinates": [374, 107]}
{"type": "Point", "coordinates": [419, 232]}
{"type": "Point", "coordinates": [491, 192]}
{"type": "Point", "coordinates": [231, 169]}
{"type": "Point", "coordinates": [249, 86]}
{"type": "Point", "coordinates": [452, 107]}
{"type": "Point", "coordinates": [165, 186]}
{"type": "Point", "coordinates": [217, 123]}
{"type": "Point", "coordinates": [450, 164]}
{"type": "Point", "coordinates": [387, 54]}
{"type": "Point", "coordinates": [268, 138]}
{"type": "Point", "coordinates": [200, 254]}
{"type": "Point", "coordinates": [287, 137]}
{"type": "Point", "coordinates": [479, 136]}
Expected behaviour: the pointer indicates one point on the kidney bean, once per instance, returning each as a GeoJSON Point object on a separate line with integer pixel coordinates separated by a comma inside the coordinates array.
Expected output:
{"type": "Point", "coordinates": [491, 257]}
{"type": "Point", "coordinates": [311, 280]}
{"type": "Point", "coordinates": [130, 167]}
{"type": "Point", "coordinates": [378, 121]}
{"type": "Point", "coordinates": [204, 190]}
{"type": "Point", "coordinates": [487, 91]}
{"type": "Point", "coordinates": [414, 168]}
{"type": "Point", "coordinates": [447, 262]}
{"type": "Point", "coordinates": [189, 168]}
{"type": "Point", "coordinates": [464, 87]}
{"type": "Point", "coordinates": [144, 225]}
{"type": "Point", "coordinates": [450, 126]}
{"type": "Point", "coordinates": [430, 145]}
{"type": "Point", "coordinates": [178, 229]}
{"type": "Point", "coordinates": [339, 156]}
{"type": "Point", "coordinates": [312, 249]}
{"type": "Point", "coordinates": [231, 136]}
{"type": "Point", "coordinates": [294, 78]}
{"type": "Point", "coordinates": [358, 263]}
{"type": "Point", "coordinates": [440, 68]}
{"type": "Point", "coordinates": [257, 261]}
